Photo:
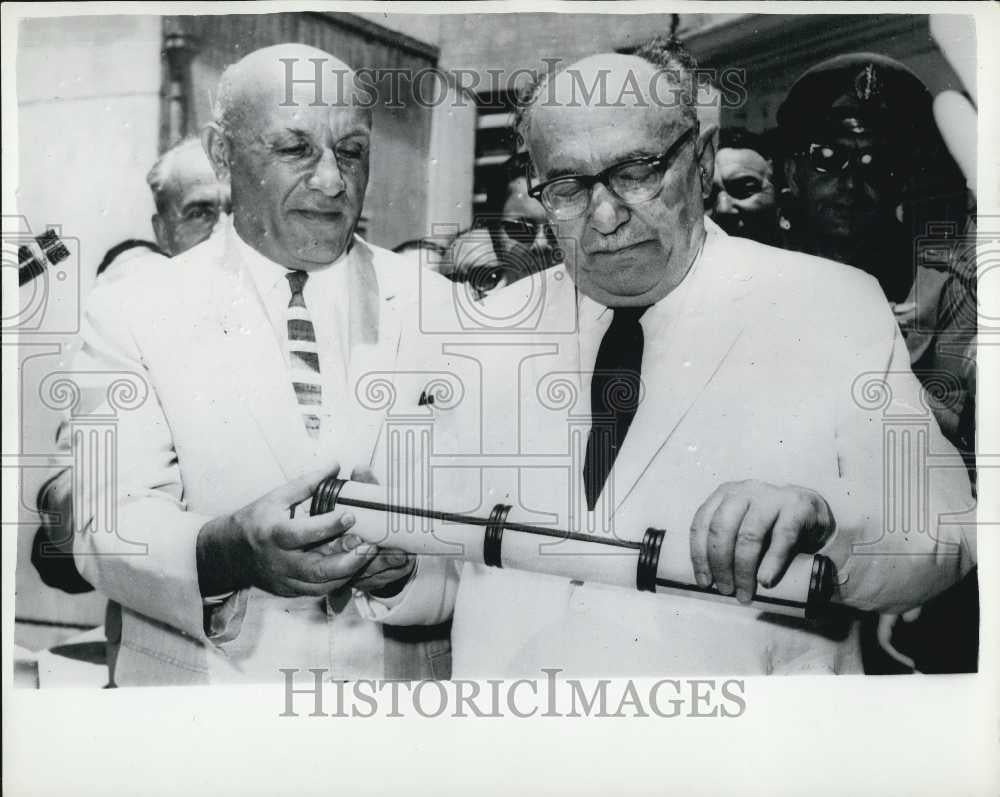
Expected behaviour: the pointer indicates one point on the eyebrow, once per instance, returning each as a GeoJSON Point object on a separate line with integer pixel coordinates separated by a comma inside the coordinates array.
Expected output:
{"type": "Point", "coordinates": [275, 138]}
{"type": "Point", "coordinates": [272, 137]}
{"type": "Point", "coordinates": [292, 131]}
{"type": "Point", "coordinates": [634, 154]}
{"type": "Point", "coordinates": [199, 203]}
{"type": "Point", "coordinates": [356, 131]}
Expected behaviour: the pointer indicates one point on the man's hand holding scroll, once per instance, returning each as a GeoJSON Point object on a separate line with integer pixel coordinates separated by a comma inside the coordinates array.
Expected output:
{"type": "Point", "coordinates": [261, 545]}
{"type": "Point", "coordinates": [747, 532]}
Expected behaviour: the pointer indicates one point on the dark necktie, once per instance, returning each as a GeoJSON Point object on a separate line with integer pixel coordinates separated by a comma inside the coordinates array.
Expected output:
{"type": "Point", "coordinates": [614, 397]}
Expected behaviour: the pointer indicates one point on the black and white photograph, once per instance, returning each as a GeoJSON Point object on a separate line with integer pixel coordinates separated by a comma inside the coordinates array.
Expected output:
{"type": "Point", "coordinates": [474, 363]}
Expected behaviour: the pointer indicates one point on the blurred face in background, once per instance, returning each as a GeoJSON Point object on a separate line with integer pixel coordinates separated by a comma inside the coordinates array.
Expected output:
{"type": "Point", "coordinates": [190, 204]}
{"type": "Point", "coordinates": [844, 186]}
{"type": "Point", "coordinates": [425, 253]}
{"type": "Point", "coordinates": [744, 201]}
{"type": "Point", "coordinates": [472, 259]}
{"type": "Point", "coordinates": [525, 241]}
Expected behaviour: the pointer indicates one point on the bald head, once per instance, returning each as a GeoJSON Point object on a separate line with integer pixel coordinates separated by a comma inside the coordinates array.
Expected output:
{"type": "Point", "coordinates": [293, 139]}
{"type": "Point", "coordinates": [659, 76]}
{"type": "Point", "coordinates": [598, 92]}
{"type": "Point", "coordinates": [285, 75]}
{"type": "Point", "coordinates": [631, 120]}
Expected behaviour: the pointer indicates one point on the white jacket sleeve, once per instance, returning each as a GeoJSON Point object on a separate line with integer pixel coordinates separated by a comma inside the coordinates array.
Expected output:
{"type": "Point", "coordinates": [428, 598]}
{"type": "Point", "coordinates": [135, 540]}
{"type": "Point", "coordinates": [904, 509]}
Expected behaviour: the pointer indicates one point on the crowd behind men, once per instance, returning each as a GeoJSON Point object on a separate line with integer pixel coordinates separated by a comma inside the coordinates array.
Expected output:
{"type": "Point", "coordinates": [240, 589]}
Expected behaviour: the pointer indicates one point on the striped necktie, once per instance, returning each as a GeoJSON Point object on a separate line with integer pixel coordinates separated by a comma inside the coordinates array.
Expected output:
{"type": "Point", "coordinates": [303, 356]}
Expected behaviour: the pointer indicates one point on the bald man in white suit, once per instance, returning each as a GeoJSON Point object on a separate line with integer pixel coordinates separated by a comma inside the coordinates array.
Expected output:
{"type": "Point", "coordinates": [250, 345]}
{"type": "Point", "coordinates": [758, 434]}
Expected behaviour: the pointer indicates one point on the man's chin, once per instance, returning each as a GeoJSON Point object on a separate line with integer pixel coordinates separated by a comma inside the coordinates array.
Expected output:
{"type": "Point", "coordinates": [616, 290]}
{"type": "Point", "coordinates": [320, 233]}
{"type": "Point", "coordinates": [848, 222]}
{"type": "Point", "coordinates": [321, 253]}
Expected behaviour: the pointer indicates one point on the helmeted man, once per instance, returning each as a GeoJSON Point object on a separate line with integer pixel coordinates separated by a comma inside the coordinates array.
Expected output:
{"type": "Point", "coordinates": [871, 184]}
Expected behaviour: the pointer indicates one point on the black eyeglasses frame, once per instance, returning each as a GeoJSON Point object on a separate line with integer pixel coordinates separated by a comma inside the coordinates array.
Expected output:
{"type": "Point", "coordinates": [590, 180]}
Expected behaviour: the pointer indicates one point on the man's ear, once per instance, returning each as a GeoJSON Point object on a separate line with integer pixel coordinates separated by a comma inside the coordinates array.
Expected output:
{"type": "Point", "coordinates": [160, 231]}
{"type": "Point", "coordinates": [708, 140]}
{"type": "Point", "coordinates": [216, 147]}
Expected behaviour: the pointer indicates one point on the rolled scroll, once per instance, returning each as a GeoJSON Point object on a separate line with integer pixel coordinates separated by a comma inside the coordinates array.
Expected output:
{"type": "Point", "coordinates": [502, 540]}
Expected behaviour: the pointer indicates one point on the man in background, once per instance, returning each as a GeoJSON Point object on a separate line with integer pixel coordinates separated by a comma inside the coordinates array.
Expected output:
{"type": "Point", "coordinates": [423, 252]}
{"type": "Point", "coordinates": [189, 197]}
{"type": "Point", "coordinates": [511, 242]}
{"type": "Point", "coordinates": [189, 201]}
{"type": "Point", "coordinates": [524, 239]}
{"type": "Point", "coordinates": [744, 200]}
{"type": "Point", "coordinates": [473, 260]}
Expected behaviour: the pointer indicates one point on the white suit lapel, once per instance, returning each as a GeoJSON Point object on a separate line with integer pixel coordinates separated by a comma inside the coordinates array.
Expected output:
{"type": "Point", "coordinates": [253, 366]}
{"type": "Point", "coordinates": [376, 326]}
{"type": "Point", "coordinates": [699, 341]}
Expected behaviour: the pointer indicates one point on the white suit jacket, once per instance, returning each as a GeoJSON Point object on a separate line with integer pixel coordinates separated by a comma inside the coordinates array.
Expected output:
{"type": "Point", "coordinates": [771, 365]}
{"type": "Point", "coordinates": [217, 428]}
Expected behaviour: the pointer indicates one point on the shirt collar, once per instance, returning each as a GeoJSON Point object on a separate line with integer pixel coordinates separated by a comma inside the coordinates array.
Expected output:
{"type": "Point", "coordinates": [266, 274]}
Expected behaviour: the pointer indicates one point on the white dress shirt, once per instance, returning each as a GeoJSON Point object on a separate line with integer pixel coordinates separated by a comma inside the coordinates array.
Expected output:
{"type": "Point", "coordinates": [327, 297]}
{"type": "Point", "coordinates": [333, 632]}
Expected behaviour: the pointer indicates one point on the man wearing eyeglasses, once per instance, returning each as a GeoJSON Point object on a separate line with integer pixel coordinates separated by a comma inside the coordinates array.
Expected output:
{"type": "Point", "coordinates": [705, 386]}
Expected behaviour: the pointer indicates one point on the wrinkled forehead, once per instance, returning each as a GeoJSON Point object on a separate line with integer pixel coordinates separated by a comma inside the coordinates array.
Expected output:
{"type": "Point", "coordinates": [591, 139]}
{"type": "Point", "coordinates": [730, 161]}
{"type": "Point", "coordinates": [205, 189]}
{"type": "Point", "coordinates": [329, 99]}
{"type": "Point", "coordinates": [601, 110]}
